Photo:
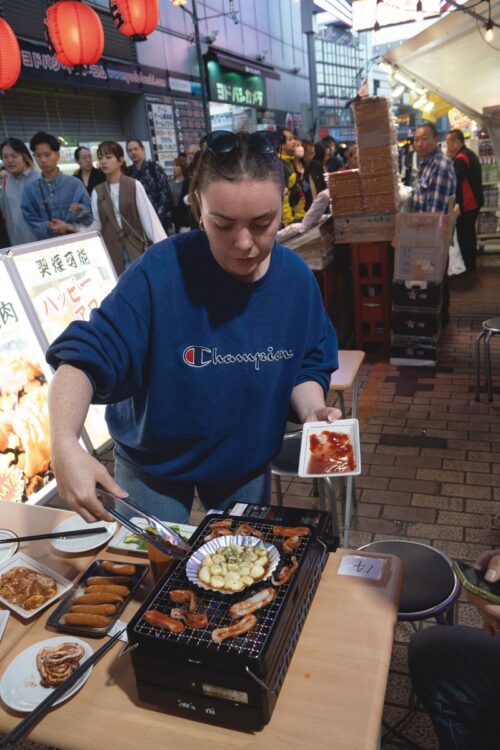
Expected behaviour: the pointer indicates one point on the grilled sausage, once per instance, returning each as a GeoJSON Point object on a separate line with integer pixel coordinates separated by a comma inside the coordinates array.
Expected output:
{"type": "Point", "coordinates": [261, 599]}
{"type": "Point", "coordinates": [184, 596]}
{"type": "Point", "coordinates": [246, 530]}
{"type": "Point", "coordinates": [95, 609]}
{"type": "Point", "coordinates": [159, 620]}
{"type": "Point", "coordinates": [191, 619]}
{"type": "Point", "coordinates": [82, 618]}
{"type": "Point", "coordinates": [121, 590]}
{"type": "Point", "coordinates": [223, 523]}
{"type": "Point", "coordinates": [290, 544]}
{"type": "Point", "coordinates": [285, 573]}
{"type": "Point", "coordinates": [118, 568]}
{"type": "Point", "coordinates": [291, 531]}
{"type": "Point", "coordinates": [108, 580]}
{"type": "Point", "coordinates": [99, 598]}
{"type": "Point", "coordinates": [233, 631]}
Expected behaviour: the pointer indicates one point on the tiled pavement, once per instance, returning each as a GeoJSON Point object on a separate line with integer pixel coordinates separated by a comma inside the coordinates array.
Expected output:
{"type": "Point", "coordinates": [431, 465]}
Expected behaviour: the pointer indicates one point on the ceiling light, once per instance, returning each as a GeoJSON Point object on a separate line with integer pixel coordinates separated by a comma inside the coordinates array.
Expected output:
{"type": "Point", "coordinates": [385, 67]}
{"type": "Point", "coordinates": [489, 26]}
{"type": "Point", "coordinates": [420, 12]}
{"type": "Point", "coordinates": [397, 91]}
{"type": "Point", "coordinates": [420, 102]}
{"type": "Point", "coordinates": [376, 32]}
{"type": "Point", "coordinates": [428, 107]}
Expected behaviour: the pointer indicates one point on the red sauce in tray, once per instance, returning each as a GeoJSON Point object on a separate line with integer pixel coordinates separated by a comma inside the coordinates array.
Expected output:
{"type": "Point", "coordinates": [331, 453]}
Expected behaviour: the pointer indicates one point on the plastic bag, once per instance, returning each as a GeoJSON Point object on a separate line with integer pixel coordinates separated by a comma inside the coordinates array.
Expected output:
{"type": "Point", "coordinates": [456, 263]}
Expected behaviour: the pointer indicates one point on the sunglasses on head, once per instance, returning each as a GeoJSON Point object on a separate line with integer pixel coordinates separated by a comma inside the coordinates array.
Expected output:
{"type": "Point", "coordinates": [262, 142]}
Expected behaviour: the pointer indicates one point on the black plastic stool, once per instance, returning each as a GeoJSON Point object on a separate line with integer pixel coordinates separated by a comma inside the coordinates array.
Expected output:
{"type": "Point", "coordinates": [430, 586]}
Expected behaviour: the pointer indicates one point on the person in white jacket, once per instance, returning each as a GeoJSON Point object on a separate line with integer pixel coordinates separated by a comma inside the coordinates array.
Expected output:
{"type": "Point", "coordinates": [122, 211]}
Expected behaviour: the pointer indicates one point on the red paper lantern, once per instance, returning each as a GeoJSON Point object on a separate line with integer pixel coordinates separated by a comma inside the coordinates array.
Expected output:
{"type": "Point", "coordinates": [135, 18]}
{"type": "Point", "coordinates": [74, 33]}
{"type": "Point", "coordinates": [10, 56]}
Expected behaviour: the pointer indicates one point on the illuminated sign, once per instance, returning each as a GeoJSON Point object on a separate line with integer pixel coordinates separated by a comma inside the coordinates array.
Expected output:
{"type": "Point", "coordinates": [226, 85]}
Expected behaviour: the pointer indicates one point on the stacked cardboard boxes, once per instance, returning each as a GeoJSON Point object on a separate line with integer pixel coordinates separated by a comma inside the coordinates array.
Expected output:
{"type": "Point", "coordinates": [365, 202]}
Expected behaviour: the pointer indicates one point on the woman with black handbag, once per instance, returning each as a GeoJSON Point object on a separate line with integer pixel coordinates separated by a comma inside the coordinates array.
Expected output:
{"type": "Point", "coordinates": [122, 211]}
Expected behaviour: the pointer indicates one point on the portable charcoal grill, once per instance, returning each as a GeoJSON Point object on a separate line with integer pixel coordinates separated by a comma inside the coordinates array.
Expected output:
{"type": "Point", "coordinates": [235, 683]}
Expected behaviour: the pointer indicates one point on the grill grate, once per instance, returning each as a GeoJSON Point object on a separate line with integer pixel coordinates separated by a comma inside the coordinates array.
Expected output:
{"type": "Point", "coordinates": [217, 605]}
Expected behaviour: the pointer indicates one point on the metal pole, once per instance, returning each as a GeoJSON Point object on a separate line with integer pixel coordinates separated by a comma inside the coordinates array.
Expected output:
{"type": "Point", "coordinates": [309, 30]}
{"type": "Point", "coordinates": [204, 98]}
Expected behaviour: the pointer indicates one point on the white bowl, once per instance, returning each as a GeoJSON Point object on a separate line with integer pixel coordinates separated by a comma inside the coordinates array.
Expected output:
{"type": "Point", "coordinates": [349, 427]}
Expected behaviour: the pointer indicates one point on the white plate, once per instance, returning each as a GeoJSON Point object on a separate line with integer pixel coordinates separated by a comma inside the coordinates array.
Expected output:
{"type": "Point", "coordinates": [82, 543]}
{"type": "Point", "coordinates": [119, 543]}
{"type": "Point", "coordinates": [20, 687]}
{"type": "Point", "coordinates": [349, 427]}
{"type": "Point", "coordinates": [196, 559]}
{"type": "Point", "coordinates": [21, 560]}
{"type": "Point", "coordinates": [7, 550]}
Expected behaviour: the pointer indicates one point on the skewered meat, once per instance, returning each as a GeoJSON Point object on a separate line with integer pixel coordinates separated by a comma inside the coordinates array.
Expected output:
{"type": "Point", "coordinates": [261, 599]}
{"type": "Point", "coordinates": [220, 531]}
{"type": "Point", "coordinates": [285, 573]}
{"type": "Point", "coordinates": [233, 631]}
{"type": "Point", "coordinates": [291, 531]}
{"type": "Point", "coordinates": [120, 569]}
{"type": "Point", "coordinates": [57, 663]}
{"type": "Point", "coordinates": [184, 596]}
{"type": "Point", "coordinates": [160, 620]}
{"type": "Point", "coordinates": [290, 544]}
{"type": "Point", "coordinates": [191, 619]}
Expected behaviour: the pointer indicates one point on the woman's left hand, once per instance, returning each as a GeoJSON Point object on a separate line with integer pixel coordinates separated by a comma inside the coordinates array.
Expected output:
{"type": "Point", "coordinates": [324, 414]}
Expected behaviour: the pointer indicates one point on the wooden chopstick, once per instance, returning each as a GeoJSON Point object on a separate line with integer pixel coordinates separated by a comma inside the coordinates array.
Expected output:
{"type": "Point", "coordinates": [57, 535]}
{"type": "Point", "coordinates": [34, 717]}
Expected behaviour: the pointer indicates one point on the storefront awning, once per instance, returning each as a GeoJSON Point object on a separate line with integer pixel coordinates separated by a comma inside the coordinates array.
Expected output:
{"type": "Point", "coordinates": [242, 64]}
{"type": "Point", "coordinates": [452, 59]}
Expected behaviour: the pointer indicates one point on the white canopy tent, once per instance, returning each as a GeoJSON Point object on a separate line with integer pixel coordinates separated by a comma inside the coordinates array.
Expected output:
{"type": "Point", "coordinates": [452, 58]}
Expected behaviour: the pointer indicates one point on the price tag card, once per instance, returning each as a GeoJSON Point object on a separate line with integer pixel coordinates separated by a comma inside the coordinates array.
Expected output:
{"type": "Point", "coordinates": [362, 567]}
{"type": "Point", "coordinates": [4, 616]}
{"type": "Point", "coordinates": [119, 625]}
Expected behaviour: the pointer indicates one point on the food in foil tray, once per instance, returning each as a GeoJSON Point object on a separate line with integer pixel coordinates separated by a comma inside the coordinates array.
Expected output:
{"type": "Point", "coordinates": [234, 567]}
{"type": "Point", "coordinates": [24, 429]}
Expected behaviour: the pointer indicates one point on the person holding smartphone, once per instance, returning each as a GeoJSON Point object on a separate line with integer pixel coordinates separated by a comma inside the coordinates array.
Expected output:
{"type": "Point", "coordinates": [455, 670]}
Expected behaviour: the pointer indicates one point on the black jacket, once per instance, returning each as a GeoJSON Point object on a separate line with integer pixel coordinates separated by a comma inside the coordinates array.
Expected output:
{"type": "Point", "coordinates": [96, 178]}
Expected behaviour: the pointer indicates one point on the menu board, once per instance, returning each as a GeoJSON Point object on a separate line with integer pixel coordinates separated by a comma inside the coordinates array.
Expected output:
{"type": "Point", "coordinates": [163, 139]}
{"type": "Point", "coordinates": [25, 474]}
{"type": "Point", "coordinates": [64, 280]}
{"type": "Point", "coordinates": [189, 122]}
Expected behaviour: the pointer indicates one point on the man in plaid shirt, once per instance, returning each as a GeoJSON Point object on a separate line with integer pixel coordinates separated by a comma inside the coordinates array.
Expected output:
{"type": "Point", "coordinates": [436, 180]}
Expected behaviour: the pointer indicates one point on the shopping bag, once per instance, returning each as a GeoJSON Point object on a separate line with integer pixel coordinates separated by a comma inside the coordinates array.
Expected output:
{"type": "Point", "coordinates": [456, 263]}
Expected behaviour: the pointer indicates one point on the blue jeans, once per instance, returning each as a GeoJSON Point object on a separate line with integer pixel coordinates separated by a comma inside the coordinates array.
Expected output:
{"type": "Point", "coordinates": [456, 674]}
{"type": "Point", "coordinates": [172, 501]}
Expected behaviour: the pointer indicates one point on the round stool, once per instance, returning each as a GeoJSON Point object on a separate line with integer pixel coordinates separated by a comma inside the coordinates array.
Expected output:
{"type": "Point", "coordinates": [491, 327]}
{"type": "Point", "coordinates": [430, 586]}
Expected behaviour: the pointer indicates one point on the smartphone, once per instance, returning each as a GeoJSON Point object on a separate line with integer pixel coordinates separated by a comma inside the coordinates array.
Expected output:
{"type": "Point", "coordinates": [472, 580]}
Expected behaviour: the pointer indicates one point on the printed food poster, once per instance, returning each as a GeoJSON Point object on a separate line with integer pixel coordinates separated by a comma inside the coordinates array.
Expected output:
{"type": "Point", "coordinates": [24, 422]}
{"type": "Point", "coordinates": [65, 282]}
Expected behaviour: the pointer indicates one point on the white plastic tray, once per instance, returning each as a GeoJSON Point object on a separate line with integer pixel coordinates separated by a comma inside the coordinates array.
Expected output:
{"type": "Point", "coordinates": [349, 427]}
{"type": "Point", "coordinates": [21, 560]}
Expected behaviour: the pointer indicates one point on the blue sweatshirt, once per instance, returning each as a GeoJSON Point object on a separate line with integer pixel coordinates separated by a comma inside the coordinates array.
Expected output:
{"type": "Point", "coordinates": [45, 200]}
{"type": "Point", "coordinates": [197, 366]}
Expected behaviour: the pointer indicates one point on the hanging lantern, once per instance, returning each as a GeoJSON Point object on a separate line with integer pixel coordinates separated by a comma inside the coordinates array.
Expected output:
{"type": "Point", "coordinates": [10, 56]}
{"type": "Point", "coordinates": [135, 18]}
{"type": "Point", "coordinates": [74, 33]}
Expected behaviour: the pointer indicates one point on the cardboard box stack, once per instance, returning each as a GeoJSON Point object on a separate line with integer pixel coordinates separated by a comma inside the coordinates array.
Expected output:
{"type": "Point", "coordinates": [421, 250]}
{"type": "Point", "coordinates": [364, 201]}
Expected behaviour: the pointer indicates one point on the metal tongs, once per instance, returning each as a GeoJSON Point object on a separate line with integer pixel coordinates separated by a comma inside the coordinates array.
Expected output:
{"type": "Point", "coordinates": [157, 534]}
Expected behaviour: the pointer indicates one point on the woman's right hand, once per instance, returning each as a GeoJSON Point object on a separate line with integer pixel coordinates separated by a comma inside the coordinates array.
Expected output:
{"type": "Point", "coordinates": [77, 474]}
